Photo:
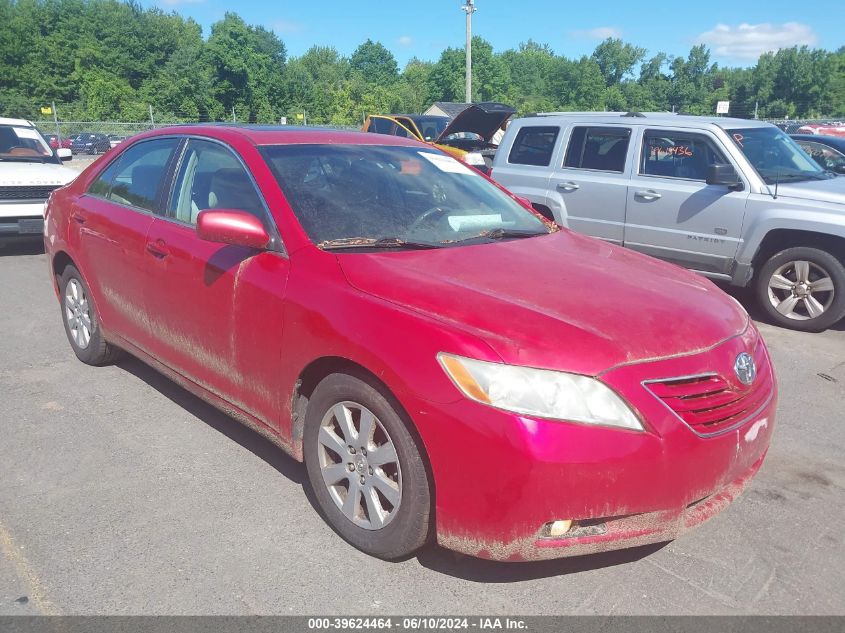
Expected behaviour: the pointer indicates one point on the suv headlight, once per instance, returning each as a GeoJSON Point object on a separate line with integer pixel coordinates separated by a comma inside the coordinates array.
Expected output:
{"type": "Point", "coordinates": [475, 159]}
{"type": "Point", "coordinates": [539, 392]}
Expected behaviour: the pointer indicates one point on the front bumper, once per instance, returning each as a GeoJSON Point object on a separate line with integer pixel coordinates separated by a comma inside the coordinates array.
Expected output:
{"type": "Point", "coordinates": [21, 220]}
{"type": "Point", "coordinates": [500, 477]}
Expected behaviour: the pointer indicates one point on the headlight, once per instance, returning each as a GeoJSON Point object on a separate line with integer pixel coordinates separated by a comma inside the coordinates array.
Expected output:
{"type": "Point", "coordinates": [539, 392]}
{"type": "Point", "coordinates": [475, 159]}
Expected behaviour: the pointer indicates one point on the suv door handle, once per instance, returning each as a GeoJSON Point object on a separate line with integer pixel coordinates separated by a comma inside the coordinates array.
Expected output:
{"type": "Point", "coordinates": [648, 194]}
{"type": "Point", "coordinates": [158, 249]}
{"type": "Point", "coordinates": [568, 186]}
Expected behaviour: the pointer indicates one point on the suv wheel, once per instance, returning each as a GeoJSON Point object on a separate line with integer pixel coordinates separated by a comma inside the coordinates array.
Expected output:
{"type": "Point", "coordinates": [803, 288]}
{"type": "Point", "coordinates": [82, 324]}
{"type": "Point", "coordinates": [365, 469]}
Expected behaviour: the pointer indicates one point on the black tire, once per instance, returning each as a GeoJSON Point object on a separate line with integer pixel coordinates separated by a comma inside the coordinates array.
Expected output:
{"type": "Point", "coordinates": [819, 260]}
{"type": "Point", "coordinates": [408, 529]}
{"type": "Point", "coordinates": [98, 351]}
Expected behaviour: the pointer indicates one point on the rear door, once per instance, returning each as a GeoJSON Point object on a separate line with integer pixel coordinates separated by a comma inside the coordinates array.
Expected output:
{"type": "Point", "coordinates": [216, 309]}
{"type": "Point", "coordinates": [590, 185]}
{"type": "Point", "coordinates": [672, 213]}
{"type": "Point", "coordinates": [110, 223]}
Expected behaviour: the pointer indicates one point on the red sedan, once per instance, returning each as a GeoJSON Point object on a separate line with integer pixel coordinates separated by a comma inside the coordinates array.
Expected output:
{"type": "Point", "coordinates": [447, 364]}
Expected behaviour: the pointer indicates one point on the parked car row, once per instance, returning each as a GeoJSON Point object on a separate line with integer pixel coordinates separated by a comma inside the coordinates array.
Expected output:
{"type": "Point", "coordinates": [448, 363]}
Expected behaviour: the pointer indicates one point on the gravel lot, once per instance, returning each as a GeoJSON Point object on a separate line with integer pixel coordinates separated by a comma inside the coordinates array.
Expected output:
{"type": "Point", "coordinates": [120, 493]}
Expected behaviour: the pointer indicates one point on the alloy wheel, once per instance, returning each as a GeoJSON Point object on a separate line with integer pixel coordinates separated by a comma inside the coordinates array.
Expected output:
{"type": "Point", "coordinates": [801, 290]}
{"type": "Point", "coordinates": [359, 465]}
{"type": "Point", "coordinates": [78, 314]}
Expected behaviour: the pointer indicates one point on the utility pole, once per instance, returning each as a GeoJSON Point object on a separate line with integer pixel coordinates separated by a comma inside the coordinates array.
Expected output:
{"type": "Point", "coordinates": [756, 105]}
{"type": "Point", "coordinates": [152, 120]}
{"type": "Point", "coordinates": [469, 9]}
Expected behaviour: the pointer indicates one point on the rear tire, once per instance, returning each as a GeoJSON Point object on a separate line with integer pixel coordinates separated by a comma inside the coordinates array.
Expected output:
{"type": "Point", "coordinates": [390, 516]}
{"type": "Point", "coordinates": [82, 322]}
{"type": "Point", "coordinates": [802, 288]}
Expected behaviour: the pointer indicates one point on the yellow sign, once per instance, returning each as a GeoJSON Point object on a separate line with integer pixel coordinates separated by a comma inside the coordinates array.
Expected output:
{"type": "Point", "coordinates": [46, 110]}
{"type": "Point", "coordinates": [300, 116]}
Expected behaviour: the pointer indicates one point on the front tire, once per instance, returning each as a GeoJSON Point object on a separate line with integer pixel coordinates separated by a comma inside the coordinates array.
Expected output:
{"type": "Point", "coordinates": [802, 288]}
{"type": "Point", "coordinates": [365, 468]}
{"type": "Point", "coordinates": [81, 321]}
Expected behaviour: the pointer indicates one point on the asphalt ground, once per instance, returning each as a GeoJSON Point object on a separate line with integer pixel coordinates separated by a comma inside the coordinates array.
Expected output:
{"type": "Point", "coordinates": [121, 493]}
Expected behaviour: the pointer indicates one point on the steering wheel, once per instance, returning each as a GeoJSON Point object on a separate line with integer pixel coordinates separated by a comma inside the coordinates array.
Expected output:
{"type": "Point", "coordinates": [427, 217]}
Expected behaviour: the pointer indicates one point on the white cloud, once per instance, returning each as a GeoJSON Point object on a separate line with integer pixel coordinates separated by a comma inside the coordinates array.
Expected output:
{"type": "Point", "coordinates": [405, 40]}
{"type": "Point", "coordinates": [287, 26]}
{"type": "Point", "coordinates": [598, 33]}
{"type": "Point", "coordinates": [749, 41]}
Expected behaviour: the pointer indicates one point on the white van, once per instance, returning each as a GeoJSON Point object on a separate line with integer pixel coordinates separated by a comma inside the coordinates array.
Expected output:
{"type": "Point", "coordinates": [29, 172]}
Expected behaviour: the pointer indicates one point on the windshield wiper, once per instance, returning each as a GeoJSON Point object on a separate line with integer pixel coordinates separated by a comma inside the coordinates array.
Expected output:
{"type": "Point", "coordinates": [24, 159]}
{"type": "Point", "coordinates": [372, 242]}
{"type": "Point", "coordinates": [501, 233]}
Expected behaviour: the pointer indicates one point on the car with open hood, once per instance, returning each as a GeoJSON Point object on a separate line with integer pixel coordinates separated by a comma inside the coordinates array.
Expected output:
{"type": "Point", "coordinates": [448, 364]}
{"type": "Point", "coordinates": [469, 136]}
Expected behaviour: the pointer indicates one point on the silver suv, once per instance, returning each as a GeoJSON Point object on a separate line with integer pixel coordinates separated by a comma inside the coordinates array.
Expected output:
{"type": "Point", "coordinates": [735, 200]}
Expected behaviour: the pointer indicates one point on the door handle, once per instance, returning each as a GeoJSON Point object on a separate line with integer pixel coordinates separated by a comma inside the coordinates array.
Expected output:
{"type": "Point", "coordinates": [158, 249]}
{"type": "Point", "coordinates": [568, 186]}
{"type": "Point", "coordinates": [78, 217]}
{"type": "Point", "coordinates": [648, 194]}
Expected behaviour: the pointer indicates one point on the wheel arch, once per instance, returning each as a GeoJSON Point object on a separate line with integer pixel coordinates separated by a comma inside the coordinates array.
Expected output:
{"type": "Point", "coordinates": [61, 260]}
{"type": "Point", "coordinates": [777, 240]}
{"type": "Point", "coordinates": [318, 369]}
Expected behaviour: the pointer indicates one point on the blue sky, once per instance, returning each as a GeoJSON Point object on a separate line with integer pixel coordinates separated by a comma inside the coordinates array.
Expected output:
{"type": "Point", "coordinates": [735, 31]}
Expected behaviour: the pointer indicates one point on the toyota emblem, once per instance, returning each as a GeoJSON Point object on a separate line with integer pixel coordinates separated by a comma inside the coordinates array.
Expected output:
{"type": "Point", "coordinates": [745, 369]}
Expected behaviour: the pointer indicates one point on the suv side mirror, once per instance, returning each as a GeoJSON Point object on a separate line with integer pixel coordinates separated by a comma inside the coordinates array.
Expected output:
{"type": "Point", "coordinates": [232, 226]}
{"type": "Point", "coordinates": [64, 154]}
{"type": "Point", "coordinates": [723, 174]}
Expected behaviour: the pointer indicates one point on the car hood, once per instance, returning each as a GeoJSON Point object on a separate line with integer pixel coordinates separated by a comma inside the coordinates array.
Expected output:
{"type": "Point", "coordinates": [479, 118]}
{"type": "Point", "coordinates": [561, 301]}
{"type": "Point", "coordinates": [832, 190]}
{"type": "Point", "coordinates": [18, 174]}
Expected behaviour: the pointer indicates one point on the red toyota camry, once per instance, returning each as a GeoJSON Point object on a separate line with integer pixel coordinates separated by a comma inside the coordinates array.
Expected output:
{"type": "Point", "coordinates": [447, 364]}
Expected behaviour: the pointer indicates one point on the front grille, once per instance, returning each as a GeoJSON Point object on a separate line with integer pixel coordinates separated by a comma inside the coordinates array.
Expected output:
{"type": "Point", "coordinates": [712, 403]}
{"type": "Point", "coordinates": [33, 192]}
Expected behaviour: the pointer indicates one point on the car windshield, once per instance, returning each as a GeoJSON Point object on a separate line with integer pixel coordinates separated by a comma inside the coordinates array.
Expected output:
{"type": "Point", "coordinates": [19, 143]}
{"type": "Point", "coordinates": [372, 196]}
{"type": "Point", "coordinates": [431, 126]}
{"type": "Point", "coordinates": [775, 156]}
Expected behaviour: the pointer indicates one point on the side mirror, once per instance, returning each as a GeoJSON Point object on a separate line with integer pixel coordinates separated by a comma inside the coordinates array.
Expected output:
{"type": "Point", "coordinates": [64, 154]}
{"type": "Point", "coordinates": [232, 226]}
{"type": "Point", "coordinates": [839, 169]}
{"type": "Point", "coordinates": [723, 175]}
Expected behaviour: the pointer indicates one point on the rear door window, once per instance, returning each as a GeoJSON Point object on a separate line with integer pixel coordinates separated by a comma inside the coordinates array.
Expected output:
{"type": "Point", "coordinates": [141, 172]}
{"type": "Point", "coordinates": [678, 155]}
{"type": "Point", "coordinates": [534, 145]}
{"type": "Point", "coordinates": [598, 148]}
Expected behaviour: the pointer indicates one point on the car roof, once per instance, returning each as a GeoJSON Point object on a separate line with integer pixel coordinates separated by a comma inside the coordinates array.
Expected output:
{"type": "Point", "coordinates": [648, 118]}
{"type": "Point", "coordinates": [20, 122]}
{"type": "Point", "coordinates": [283, 134]}
{"type": "Point", "coordinates": [836, 141]}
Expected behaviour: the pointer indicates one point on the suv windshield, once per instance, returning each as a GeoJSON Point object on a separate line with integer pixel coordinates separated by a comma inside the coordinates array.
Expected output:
{"type": "Point", "coordinates": [775, 156]}
{"type": "Point", "coordinates": [19, 143]}
{"type": "Point", "coordinates": [370, 196]}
